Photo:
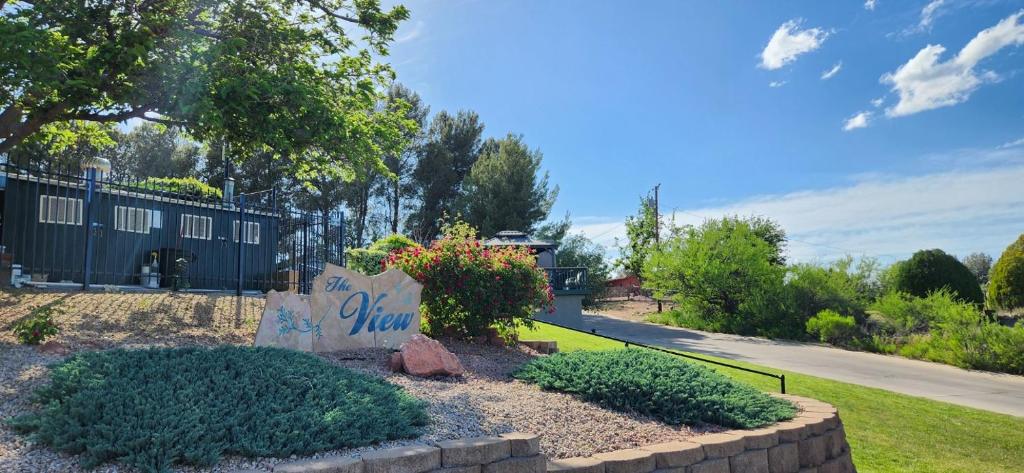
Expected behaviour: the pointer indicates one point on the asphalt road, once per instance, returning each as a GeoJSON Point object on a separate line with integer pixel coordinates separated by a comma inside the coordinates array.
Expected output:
{"type": "Point", "coordinates": [994, 392]}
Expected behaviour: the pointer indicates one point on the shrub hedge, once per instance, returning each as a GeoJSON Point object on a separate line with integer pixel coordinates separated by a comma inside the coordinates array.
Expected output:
{"type": "Point", "coordinates": [656, 385]}
{"type": "Point", "coordinates": [930, 270]}
{"type": "Point", "coordinates": [154, 408]}
{"type": "Point", "coordinates": [1006, 281]}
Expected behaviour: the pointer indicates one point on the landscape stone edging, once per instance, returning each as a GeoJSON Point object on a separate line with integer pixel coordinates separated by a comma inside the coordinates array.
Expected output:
{"type": "Point", "coordinates": [813, 441]}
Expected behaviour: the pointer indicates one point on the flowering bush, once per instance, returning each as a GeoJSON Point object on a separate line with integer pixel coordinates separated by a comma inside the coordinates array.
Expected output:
{"type": "Point", "coordinates": [38, 325]}
{"type": "Point", "coordinates": [468, 287]}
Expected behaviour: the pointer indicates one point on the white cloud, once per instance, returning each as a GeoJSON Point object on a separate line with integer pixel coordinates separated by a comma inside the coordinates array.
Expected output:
{"type": "Point", "coordinates": [958, 211]}
{"type": "Point", "coordinates": [928, 14]}
{"type": "Point", "coordinates": [859, 120]}
{"type": "Point", "coordinates": [878, 102]}
{"type": "Point", "coordinates": [776, 83]}
{"type": "Point", "coordinates": [869, 4]}
{"type": "Point", "coordinates": [788, 42]}
{"type": "Point", "coordinates": [925, 83]}
{"type": "Point", "coordinates": [415, 32]}
{"type": "Point", "coordinates": [1012, 144]}
{"type": "Point", "coordinates": [833, 71]}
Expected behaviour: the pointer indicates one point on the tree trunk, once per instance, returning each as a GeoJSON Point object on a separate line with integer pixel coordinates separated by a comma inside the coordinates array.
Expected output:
{"type": "Point", "coordinates": [16, 133]}
{"type": "Point", "coordinates": [394, 206]}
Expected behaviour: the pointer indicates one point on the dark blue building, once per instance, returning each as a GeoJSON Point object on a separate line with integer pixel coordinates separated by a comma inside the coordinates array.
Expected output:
{"type": "Point", "coordinates": [45, 217]}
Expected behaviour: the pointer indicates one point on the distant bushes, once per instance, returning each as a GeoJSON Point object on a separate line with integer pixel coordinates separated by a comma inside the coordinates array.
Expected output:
{"type": "Point", "coordinates": [726, 277]}
{"type": "Point", "coordinates": [1006, 280]}
{"type": "Point", "coordinates": [657, 385]}
{"type": "Point", "coordinates": [942, 328]}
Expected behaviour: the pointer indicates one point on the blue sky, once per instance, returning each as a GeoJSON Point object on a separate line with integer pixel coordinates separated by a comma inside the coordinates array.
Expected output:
{"type": "Point", "coordinates": [915, 139]}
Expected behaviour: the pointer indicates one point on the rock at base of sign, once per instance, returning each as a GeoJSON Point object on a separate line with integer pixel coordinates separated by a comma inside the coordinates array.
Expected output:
{"type": "Point", "coordinates": [395, 362]}
{"type": "Point", "coordinates": [423, 356]}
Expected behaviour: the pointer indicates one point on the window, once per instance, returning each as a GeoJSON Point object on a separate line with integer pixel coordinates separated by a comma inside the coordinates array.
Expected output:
{"type": "Point", "coordinates": [194, 226]}
{"type": "Point", "coordinates": [252, 233]}
{"type": "Point", "coordinates": [132, 219]}
{"type": "Point", "coordinates": [53, 209]}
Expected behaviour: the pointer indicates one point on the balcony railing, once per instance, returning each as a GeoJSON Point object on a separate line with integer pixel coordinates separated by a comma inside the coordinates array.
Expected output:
{"type": "Point", "coordinates": [567, 280]}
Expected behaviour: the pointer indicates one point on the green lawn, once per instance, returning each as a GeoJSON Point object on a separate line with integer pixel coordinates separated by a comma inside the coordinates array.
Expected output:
{"type": "Point", "coordinates": [887, 431]}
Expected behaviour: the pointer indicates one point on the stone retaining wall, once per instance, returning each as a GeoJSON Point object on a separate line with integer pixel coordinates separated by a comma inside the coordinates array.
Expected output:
{"type": "Point", "coordinates": [813, 442]}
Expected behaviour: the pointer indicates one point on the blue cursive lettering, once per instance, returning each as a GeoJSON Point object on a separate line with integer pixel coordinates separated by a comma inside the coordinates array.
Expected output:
{"type": "Point", "coordinates": [379, 321]}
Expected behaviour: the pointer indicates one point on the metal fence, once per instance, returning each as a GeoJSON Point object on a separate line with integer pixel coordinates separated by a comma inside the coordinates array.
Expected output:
{"type": "Point", "coordinates": [64, 227]}
{"type": "Point", "coordinates": [567, 279]}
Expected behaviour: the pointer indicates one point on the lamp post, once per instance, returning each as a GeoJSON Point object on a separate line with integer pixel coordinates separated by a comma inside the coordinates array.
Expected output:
{"type": "Point", "coordinates": [92, 166]}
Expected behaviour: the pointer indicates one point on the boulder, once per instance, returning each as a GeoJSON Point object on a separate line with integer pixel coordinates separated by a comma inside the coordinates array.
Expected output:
{"type": "Point", "coordinates": [424, 356]}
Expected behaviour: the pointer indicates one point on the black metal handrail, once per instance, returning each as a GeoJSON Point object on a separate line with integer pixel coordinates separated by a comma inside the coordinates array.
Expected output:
{"type": "Point", "coordinates": [780, 377]}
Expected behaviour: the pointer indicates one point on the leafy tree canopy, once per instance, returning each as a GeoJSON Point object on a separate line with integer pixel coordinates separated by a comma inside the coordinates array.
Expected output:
{"type": "Point", "coordinates": [720, 273]}
{"type": "Point", "coordinates": [284, 75]}
{"type": "Point", "coordinates": [505, 189]}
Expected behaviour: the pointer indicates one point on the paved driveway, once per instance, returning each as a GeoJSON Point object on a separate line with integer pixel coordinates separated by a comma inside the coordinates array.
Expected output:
{"type": "Point", "coordinates": [994, 392]}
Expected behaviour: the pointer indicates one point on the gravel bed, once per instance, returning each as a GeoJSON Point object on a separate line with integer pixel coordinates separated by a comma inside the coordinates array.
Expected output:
{"type": "Point", "coordinates": [486, 401]}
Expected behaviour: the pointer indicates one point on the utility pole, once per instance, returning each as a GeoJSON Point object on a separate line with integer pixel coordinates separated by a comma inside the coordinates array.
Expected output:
{"type": "Point", "coordinates": [657, 228]}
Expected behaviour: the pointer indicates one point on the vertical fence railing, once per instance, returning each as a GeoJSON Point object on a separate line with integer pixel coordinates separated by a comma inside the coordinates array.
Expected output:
{"type": "Point", "coordinates": [88, 229]}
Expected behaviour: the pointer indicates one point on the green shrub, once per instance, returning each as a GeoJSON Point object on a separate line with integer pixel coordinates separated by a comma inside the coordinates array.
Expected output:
{"type": "Point", "coordinates": [657, 385]}
{"type": "Point", "coordinates": [930, 270]}
{"type": "Point", "coordinates": [364, 260]}
{"type": "Point", "coordinates": [946, 330]}
{"type": "Point", "coordinates": [468, 287]}
{"type": "Point", "coordinates": [38, 325]}
{"type": "Point", "coordinates": [183, 185]}
{"type": "Point", "coordinates": [154, 408]}
{"type": "Point", "coordinates": [1006, 280]}
{"type": "Point", "coordinates": [841, 287]}
{"type": "Point", "coordinates": [902, 314]}
{"type": "Point", "coordinates": [832, 327]}
{"type": "Point", "coordinates": [370, 260]}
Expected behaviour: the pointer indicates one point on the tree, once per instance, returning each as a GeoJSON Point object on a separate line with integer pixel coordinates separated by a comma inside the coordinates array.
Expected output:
{"type": "Point", "coordinates": [1006, 286]}
{"type": "Point", "coordinates": [505, 189]}
{"type": "Point", "coordinates": [554, 231]}
{"type": "Point", "coordinates": [67, 150]}
{"type": "Point", "coordinates": [979, 264]}
{"type": "Point", "coordinates": [397, 189]}
{"type": "Point", "coordinates": [641, 230]}
{"type": "Point", "coordinates": [150, 150]}
{"type": "Point", "coordinates": [930, 270]}
{"type": "Point", "coordinates": [722, 276]}
{"type": "Point", "coordinates": [276, 74]}
{"type": "Point", "coordinates": [452, 146]}
{"type": "Point", "coordinates": [766, 229]}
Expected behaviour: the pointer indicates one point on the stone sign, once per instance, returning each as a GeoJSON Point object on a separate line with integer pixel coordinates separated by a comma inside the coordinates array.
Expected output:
{"type": "Point", "coordinates": [347, 310]}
